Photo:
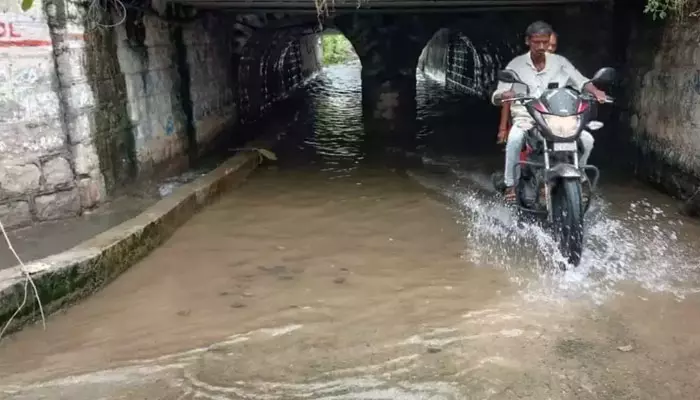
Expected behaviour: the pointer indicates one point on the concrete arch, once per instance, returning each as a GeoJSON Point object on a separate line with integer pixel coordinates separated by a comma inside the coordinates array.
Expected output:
{"type": "Point", "coordinates": [467, 53]}
{"type": "Point", "coordinates": [433, 58]}
{"type": "Point", "coordinates": [465, 64]}
{"type": "Point", "coordinates": [273, 64]}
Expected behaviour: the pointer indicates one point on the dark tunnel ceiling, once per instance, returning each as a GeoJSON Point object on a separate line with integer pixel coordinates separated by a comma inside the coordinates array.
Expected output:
{"type": "Point", "coordinates": [308, 6]}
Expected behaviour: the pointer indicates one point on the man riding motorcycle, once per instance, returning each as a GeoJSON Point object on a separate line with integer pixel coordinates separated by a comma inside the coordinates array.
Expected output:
{"type": "Point", "coordinates": [504, 125]}
{"type": "Point", "coordinates": [538, 69]}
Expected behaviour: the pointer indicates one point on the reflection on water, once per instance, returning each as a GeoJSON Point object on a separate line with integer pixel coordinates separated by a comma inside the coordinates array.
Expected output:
{"type": "Point", "coordinates": [329, 277]}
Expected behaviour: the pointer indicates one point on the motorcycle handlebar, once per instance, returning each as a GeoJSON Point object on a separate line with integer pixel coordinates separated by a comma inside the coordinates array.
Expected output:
{"type": "Point", "coordinates": [516, 99]}
{"type": "Point", "coordinates": [608, 99]}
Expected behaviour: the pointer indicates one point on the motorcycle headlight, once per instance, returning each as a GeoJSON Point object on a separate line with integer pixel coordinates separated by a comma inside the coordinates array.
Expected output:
{"type": "Point", "coordinates": [563, 127]}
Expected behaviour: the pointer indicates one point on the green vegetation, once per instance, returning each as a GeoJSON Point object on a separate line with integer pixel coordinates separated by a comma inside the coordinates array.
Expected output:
{"type": "Point", "coordinates": [337, 49]}
{"type": "Point", "coordinates": [660, 9]}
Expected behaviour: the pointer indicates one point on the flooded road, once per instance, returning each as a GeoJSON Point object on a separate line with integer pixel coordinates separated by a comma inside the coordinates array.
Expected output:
{"type": "Point", "coordinates": [325, 277]}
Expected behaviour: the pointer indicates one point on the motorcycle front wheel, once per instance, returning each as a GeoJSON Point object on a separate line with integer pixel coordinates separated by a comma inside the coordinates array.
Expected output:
{"type": "Point", "coordinates": [567, 212]}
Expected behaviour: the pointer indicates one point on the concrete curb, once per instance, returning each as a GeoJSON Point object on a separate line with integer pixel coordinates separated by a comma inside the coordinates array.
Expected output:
{"type": "Point", "coordinates": [74, 274]}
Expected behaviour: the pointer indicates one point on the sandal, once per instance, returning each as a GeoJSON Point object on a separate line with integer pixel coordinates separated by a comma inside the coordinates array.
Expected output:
{"type": "Point", "coordinates": [585, 190]}
{"type": "Point", "coordinates": [585, 197]}
{"type": "Point", "coordinates": [509, 194]}
{"type": "Point", "coordinates": [543, 194]}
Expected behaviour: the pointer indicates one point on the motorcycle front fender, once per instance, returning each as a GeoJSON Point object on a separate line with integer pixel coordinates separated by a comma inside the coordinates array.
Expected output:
{"type": "Point", "coordinates": [566, 171]}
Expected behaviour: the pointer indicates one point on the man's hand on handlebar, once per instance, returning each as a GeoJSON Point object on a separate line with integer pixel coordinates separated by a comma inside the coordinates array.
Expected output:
{"type": "Point", "coordinates": [505, 96]}
{"type": "Point", "coordinates": [600, 96]}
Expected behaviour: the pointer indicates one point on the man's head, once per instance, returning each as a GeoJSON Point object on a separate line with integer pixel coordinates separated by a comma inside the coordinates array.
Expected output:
{"type": "Point", "coordinates": [537, 37]}
{"type": "Point", "coordinates": [553, 41]}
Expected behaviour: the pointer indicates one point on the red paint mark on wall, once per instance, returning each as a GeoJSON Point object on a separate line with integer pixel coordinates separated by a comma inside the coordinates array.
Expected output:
{"type": "Point", "coordinates": [24, 43]}
{"type": "Point", "coordinates": [19, 30]}
{"type": "Point", "coordinates": [7, 29]}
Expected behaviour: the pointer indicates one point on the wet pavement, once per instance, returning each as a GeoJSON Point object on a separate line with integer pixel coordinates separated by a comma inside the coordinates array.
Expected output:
{"type": "Point", "coordinates": [326, 277]}
{"type": "Point", "coordinates": [47, 238]}
{"type": "Point", "coordinates": [44, 239]}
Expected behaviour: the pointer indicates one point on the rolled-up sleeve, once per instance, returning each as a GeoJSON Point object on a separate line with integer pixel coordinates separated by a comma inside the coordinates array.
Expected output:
{"type": "Point", "coordinates": [576, 78]}
{"type": "Point", "coordinates": [502, 86]}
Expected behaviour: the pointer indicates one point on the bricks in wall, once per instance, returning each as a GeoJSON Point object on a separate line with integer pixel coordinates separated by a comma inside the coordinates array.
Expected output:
{"type": "Point", "coordinates": [34, 149]}
{"type": "Point", "coordinates": [84, 111]}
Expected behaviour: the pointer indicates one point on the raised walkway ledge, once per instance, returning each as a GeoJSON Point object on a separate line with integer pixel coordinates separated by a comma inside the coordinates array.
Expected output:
{"type": "Point", "coordinates": [69, 276]}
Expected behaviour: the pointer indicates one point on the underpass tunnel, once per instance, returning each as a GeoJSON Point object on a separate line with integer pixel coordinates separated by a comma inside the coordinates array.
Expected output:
{"type": "Point", "coordinates": [460, 53]}
{"type": "Point", "coordinates": [162, 93]}
{"type": "Point", "coordinates": [203, 73]}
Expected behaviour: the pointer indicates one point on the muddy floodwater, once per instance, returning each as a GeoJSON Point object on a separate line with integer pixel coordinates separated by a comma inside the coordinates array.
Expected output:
{"type": "Point", "coordinates": [324, 277]}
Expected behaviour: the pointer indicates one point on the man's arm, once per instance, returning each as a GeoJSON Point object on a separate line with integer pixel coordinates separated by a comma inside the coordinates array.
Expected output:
{"type": "Point", "coordinates": [503, 127]}
{"type": "Point", "coordinates": [505, 116]}
{"type": "Point", "coordinates": [502, 87]}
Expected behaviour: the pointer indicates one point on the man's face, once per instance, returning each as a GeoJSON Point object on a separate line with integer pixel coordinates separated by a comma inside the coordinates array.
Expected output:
{"type": "Point", "coordinates": [552, 44]}
{"type": "Point", "coordinates": [538, 43]}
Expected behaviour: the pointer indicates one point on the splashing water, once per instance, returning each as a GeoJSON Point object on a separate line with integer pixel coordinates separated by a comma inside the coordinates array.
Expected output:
{"type": "Point", "coordinates": [639, 247]}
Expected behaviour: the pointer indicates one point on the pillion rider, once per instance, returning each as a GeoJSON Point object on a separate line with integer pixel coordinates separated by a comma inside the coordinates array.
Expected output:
{"type": "Point", "coordinates": [537, 69]}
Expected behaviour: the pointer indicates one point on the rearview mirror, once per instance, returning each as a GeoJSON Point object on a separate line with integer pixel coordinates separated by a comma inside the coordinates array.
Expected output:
{"type": "Point", "coordinates": [508, 76]}
{"type": "Point", "coordinates": [604, 75]}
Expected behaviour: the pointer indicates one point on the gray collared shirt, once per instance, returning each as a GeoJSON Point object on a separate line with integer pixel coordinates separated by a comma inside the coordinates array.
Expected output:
{"type": "Point", "coordinates": [557, 69]}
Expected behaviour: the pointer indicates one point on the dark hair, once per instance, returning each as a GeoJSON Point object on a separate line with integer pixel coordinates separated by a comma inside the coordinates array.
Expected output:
{"type": "Point", "coordinates": [538, 28]}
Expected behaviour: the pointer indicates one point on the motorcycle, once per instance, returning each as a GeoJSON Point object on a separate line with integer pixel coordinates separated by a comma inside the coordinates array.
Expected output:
{"type": "Point", "coordinates": [549, 179]}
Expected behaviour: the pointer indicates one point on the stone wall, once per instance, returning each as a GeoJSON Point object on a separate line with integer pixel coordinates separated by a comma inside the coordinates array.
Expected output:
{"type": "Point", "coordinates": [37, 171]}
{"type": "Point", "coordinates": [663, 98]}
{"type": "Point", "coordinates": [180, 86]}
{"type": "Point", "coordinates": [86, 111]}
{"type": "Point", "coordinates": [212, 61]}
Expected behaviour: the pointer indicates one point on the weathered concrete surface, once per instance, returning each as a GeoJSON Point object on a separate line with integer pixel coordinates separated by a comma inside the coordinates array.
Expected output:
{"type": "Point", "coordinates": [86, 111]}
{"type": "Point", "coordinates": [663, 93]}
{"type": "Point", "coordinates": [34, 150]}
{"type": "Point", "coordinates": [71, 275]}
{"type": "Point", "coordinates": [51, 237]}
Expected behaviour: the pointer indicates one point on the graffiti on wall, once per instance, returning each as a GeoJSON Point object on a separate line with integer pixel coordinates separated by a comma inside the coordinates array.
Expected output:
{"type": "Point", "coordinates": [7, 29]}
{"type": "Point", "coordinates": [17, 30]}
{"type": "Point", "coordinates": [20, 30]}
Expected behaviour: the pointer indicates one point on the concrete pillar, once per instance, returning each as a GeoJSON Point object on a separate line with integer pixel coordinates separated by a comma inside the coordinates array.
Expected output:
{"type": "Point", "coordinates": [388, 47]}
{"type": "Point", "coordinates": [389, 108]}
